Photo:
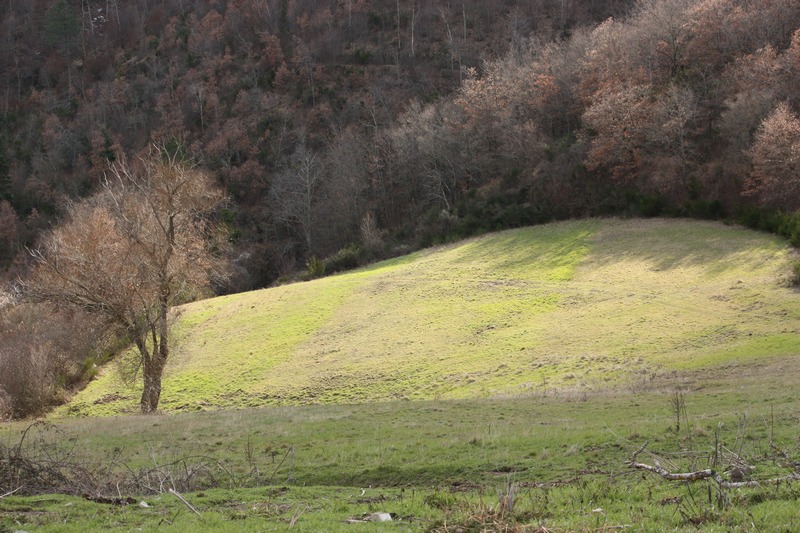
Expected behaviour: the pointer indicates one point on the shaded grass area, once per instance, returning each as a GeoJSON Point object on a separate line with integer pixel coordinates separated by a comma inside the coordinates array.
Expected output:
{"type": "Point", "coordinates": [434, 463]}
{"type": "Point", "coordinates": [576, 306]}
{"type": "Point", "coordinates": [593, 504]}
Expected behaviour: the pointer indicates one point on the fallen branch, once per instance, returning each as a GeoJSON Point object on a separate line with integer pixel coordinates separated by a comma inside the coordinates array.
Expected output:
{"type": "Point", "coordinates": [110, 501]}
{"type": "Point", "coordinates": [684, 476]}
{"type": "Point", "coordinates": [9, 493]}
{"type": "Point", "coordinates": [708, 473]}
{"type": "Point", "coordinates": [785, 456]}
{"type": "Point", "coordinates": [296, 517]}
{"type": "Point", "coordinates": [181, 498]}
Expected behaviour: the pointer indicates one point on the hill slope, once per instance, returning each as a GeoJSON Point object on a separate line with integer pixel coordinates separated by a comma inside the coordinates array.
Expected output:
{"type": "Point", "coordinates": [577, 306]}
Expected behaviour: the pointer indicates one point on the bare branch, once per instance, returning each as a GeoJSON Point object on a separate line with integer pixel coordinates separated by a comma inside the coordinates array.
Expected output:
{"type": "Point", "coordinates": [185, 502]}
{"type": "Point", "coordinates": [707, 473]}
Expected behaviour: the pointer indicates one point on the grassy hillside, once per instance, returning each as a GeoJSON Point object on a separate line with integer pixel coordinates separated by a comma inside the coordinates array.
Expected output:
{"type": "Point", "coordinates": [618, 313]}
{"type": "Point", "coordinates": [574, 307]}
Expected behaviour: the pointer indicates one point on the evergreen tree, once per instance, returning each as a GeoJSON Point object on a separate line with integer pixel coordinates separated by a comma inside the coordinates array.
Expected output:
{"type": "Point", "coordinates": [61, 26]}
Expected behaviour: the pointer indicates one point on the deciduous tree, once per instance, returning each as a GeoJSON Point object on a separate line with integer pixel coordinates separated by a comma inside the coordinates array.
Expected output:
{"type": "Point", "coordinates": [133, 251]}
{"type": "Point", "coordinates": [619, 123]}
{"type": "Point", "coordinates": [776, 159]}
{"type": "Point", "coordinates": [295, 192]}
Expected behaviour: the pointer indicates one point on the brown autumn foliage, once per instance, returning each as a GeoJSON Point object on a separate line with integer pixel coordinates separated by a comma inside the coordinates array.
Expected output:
{"type": "Point", "coordinates": [45, 352]}
{"type": "Point", "coordinates": [131, 252]}
{"type": "Point", "coordinates": [776, 159]}
{"type": "Point", "coordinates": [242, 82]}
{"type": "Point", "coordinates": [621, 120]}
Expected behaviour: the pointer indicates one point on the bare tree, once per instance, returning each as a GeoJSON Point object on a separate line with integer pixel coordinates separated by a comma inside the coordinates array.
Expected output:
{"type": "Point", "coordinates": [295, 192]}
{"type": "Point", "coordinates": [133, 251]}
{"type": "Point", "coordinates": [346, 187]}
{"type": "Point", "coordinates": [659, 36]}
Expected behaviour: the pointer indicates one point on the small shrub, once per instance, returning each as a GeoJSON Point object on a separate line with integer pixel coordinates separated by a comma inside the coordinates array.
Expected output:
{"type": "Point", "coordinates": [315, 266]}
{"type": "Point", "coordinates": [347, 258]}
{"type": "Point", "coordinates": [45, 354]}
{"type": "Point", "coordinates": [362, 56]}
{"type": "Point", "coordinates": [508, 498]}
{"type": "Point", "coordinates": [772, 221]}
{"type": "Point", "coordinates": [795, 279]}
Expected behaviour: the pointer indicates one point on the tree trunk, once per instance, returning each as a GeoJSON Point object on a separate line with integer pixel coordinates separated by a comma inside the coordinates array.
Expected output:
{"type": "Point", "coordinates": [151, 393]}
{"type": "Point", "coordinates": [153, 364]}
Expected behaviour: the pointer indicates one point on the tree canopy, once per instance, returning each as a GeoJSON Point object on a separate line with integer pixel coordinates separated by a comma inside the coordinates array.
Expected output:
{"type": "Point", "coordinates": [132, 251]}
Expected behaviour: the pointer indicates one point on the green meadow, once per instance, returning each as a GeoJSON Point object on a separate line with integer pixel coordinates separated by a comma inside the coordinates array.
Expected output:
{"type": "Point", "coordinates": [576, 306]}
{"type": "Point", "coordinates": [497, 384]}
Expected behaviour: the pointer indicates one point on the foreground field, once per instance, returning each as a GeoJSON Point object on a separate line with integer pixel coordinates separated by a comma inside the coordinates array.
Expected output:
{"type": "Point", "coordinates": [579, 306]}
{"type": "Point", "coordinates": [432, 465]}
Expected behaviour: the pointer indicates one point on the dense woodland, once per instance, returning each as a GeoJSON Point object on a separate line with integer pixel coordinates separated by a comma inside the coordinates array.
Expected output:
{"type": "Point", "coordinates": [348, 130]}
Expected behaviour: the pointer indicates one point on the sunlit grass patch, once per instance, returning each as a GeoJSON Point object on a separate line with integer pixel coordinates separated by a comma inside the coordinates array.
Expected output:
{"type": "Point", "coordinates": [588, 305]}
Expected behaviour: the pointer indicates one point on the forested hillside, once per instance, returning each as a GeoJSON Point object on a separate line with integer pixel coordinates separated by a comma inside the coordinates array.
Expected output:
{"type": "Point", "coordinates": [293, 105]}
{"type": "Point", "coordinates": [323, 119]}
{"type": "Point", "coordinates": [347, 129]}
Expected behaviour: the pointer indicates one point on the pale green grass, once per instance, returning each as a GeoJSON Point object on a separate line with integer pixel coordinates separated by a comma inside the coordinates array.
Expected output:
{"type": "Point", "coordinates": [575, 306]}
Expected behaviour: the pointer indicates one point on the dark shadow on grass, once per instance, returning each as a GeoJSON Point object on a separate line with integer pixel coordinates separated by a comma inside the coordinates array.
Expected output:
{"type": "Point", "coordinates": [672, 244]}
{"type": "Point", "coordinates": [550, 246]}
